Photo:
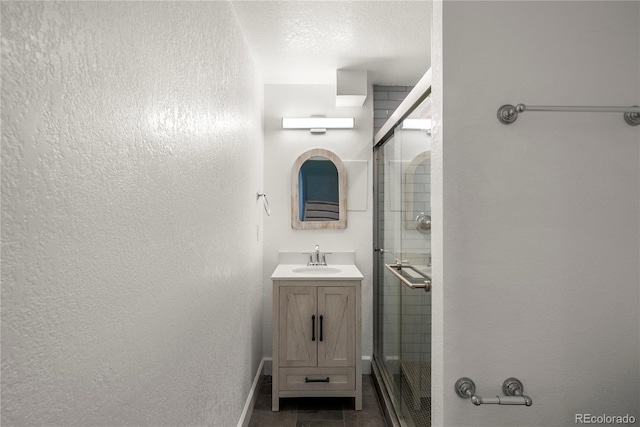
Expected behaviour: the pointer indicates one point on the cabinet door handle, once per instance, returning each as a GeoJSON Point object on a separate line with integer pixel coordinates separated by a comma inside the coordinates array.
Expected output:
{"type": "Point", "coordinates": [307, 380]}
{"type": "Point", "coordinates": [321, 317]}
{"type": "Point", "coordinates": [313, 327]}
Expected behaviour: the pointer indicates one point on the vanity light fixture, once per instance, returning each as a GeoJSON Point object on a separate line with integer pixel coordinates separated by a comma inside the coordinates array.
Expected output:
{"type": "Point", "coordinates": [418, 124]}
{"type": "Point", "coordinates": [318, 124]}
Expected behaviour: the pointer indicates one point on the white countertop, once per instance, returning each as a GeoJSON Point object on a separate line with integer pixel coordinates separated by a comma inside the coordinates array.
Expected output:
{"type": "Point", "coordinates": [340, 266]}
{"type": "Point", "coordinates": [344, 272]}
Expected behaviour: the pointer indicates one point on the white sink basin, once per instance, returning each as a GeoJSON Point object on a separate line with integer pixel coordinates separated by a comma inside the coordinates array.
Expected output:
{"type": "Point", "coordinates": [293, 266]}
{"type": "Point", "coordinates": [316, 269]}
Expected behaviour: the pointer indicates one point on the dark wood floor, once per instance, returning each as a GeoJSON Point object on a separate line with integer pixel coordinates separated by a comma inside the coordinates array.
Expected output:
{"type": "Point", "coordinates": [317, 411]}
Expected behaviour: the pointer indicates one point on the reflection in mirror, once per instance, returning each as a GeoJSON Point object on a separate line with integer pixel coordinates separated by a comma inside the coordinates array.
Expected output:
{"type": "Point", "coordinates": [418, 193]}
{"type": "Point", "coordinates": [415, 134]}
{"type": "Point", "coordinates": [318, 191]}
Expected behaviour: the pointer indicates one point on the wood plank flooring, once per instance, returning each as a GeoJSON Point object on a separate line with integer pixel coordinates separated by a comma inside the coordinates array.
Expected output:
{"type": "Point", "coordinates": [317, 411]}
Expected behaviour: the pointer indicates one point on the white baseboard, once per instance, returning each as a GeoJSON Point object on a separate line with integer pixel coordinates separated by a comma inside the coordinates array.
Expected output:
{"type": "Point", "coordinates": [268, 362]}
{"type": "Point", "coordinates": [366, 365]}
{"type": "Point", "coordinates": [251, 399]}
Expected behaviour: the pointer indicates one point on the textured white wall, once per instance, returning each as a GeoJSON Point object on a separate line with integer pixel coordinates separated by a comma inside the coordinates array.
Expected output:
{"type": "Point", "coordinates": [131, 267]}
{"type": "Point", "coordinates": [282, 147]}
{"type": "Point", "coordinates": [539, 276]}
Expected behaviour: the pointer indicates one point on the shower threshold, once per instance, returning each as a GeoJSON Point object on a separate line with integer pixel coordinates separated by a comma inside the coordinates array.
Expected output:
{"type": "Point", "coordinates": [390, 416]}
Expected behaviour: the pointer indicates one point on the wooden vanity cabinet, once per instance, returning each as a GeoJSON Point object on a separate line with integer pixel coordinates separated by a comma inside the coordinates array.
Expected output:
{"type": "Point", "coordinates": [317, 339]}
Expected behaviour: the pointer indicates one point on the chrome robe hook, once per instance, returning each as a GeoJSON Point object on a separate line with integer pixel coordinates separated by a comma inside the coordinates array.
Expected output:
{"type": "Point", "coordinates": [265, 202]}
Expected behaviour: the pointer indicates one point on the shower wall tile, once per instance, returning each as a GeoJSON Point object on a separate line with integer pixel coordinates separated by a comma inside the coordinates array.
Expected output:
{"type": "Point", "coordinates": [385, 101]}
{"type": "Point", "coordinates": [398, 95]}
{"type": "Point", "coordinates": [389, 104]}
{"type": "Point", "coordinates": [378, 123]}
{"type": "Point", "coordinates": [392, 88]}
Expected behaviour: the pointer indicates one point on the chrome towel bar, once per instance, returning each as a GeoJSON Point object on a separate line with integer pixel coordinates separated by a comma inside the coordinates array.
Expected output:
{"type": "Point", "coordinates": [512, 389]}
{"type": "Point", "coordinates": [423, 282]}
{"type": "Point", "coordinates": [508, 114]}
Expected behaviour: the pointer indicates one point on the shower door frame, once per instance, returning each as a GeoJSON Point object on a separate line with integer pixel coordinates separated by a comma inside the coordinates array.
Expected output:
{"type": "Point", "coordinates": [418, 94]}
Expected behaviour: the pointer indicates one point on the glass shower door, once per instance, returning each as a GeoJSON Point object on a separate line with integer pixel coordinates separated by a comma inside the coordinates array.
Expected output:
{"type": "Point", "coordinates": [387, 344]}
{"type": "Point", "coordinates": [402, 349]}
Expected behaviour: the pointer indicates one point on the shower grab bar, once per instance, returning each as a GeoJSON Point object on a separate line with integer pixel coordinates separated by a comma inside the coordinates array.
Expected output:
{"type": "Point", "coordinates": [512, 389]}
{"type": "Point", "coordinates": [419, 283]}
{"type": "Point", "coordinates": [508, 113]}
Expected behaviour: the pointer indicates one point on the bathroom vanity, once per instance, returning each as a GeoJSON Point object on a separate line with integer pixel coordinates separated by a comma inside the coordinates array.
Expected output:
{"type": "Point", "coordinates": [317, 330]}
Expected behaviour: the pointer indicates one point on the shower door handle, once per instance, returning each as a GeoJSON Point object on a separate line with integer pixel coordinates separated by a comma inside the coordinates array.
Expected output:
{"type": "Point", "coordinates": [395, 269]}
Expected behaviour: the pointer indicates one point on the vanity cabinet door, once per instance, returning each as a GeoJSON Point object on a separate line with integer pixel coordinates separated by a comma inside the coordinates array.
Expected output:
{"type": "Point", "coordinates": [298, 325]}
{"type": "Point", "coordinates": [336, 326]}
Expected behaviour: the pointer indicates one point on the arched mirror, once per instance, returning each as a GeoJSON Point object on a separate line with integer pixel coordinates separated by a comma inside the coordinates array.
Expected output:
{"type": "Point", "coordinates": [318, 191]}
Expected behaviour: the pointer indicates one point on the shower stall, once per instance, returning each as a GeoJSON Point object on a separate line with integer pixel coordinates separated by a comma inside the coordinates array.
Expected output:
{"type": "Point", "coordinates": [402, 260]}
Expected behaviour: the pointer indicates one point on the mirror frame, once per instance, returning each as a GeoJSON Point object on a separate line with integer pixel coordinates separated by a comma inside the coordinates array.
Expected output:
{"type": "Point", "coordinates": [296, 224]}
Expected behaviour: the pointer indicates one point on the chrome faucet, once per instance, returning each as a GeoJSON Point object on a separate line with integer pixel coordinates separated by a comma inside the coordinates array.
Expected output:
{"type": "Point", "coordinates": [316, 257]}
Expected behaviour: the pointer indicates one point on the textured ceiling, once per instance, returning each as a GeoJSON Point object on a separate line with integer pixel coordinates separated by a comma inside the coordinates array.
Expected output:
{"type": "Point", "coordinates": [305, 42]}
